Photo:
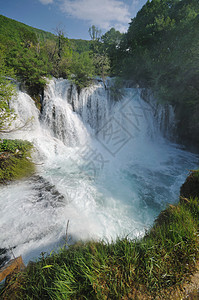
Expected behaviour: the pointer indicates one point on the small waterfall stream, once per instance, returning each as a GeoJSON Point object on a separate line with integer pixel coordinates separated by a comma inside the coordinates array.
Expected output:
{"type": "Point", "coordinates": [103, 165]}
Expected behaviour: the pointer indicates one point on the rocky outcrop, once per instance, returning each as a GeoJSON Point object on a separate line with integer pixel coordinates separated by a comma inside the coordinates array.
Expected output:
{"type": "Point", "coordinates": [14, 266]}
{"type": "Point", "coordinates": [187, 118]}
{"type": "Point", "coordinates": [190, 189]}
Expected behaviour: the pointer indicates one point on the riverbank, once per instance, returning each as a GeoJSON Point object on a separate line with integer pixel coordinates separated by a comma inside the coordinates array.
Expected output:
{"type": "Point", "coordinates": [157, 266]}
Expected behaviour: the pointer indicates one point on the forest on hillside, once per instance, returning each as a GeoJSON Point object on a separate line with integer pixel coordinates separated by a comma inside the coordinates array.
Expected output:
{"type": "Point", "coordinates": [159, 51]}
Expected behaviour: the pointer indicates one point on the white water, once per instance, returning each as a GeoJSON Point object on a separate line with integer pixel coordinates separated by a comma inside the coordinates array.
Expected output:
{"type": "Point", "coordinates": [103, 165]}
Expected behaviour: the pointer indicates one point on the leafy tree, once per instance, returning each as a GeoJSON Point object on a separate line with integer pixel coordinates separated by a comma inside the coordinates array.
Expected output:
{"type": "Point", "coordinates": [7, 91]}
{"type": "Point", "coordinates": [111, 41]}
{"type": "Point", "coordinates": [82, 69]}
{"type": "Point", "coordinates": [80, 45]}
{"type": "Point", "coordinates": [28, 38]}
{"type": "Point", "coordinates": [64, 55]}
{"type": "Point", "coordinates": [102, 65]}
{"type": "Point", "coordinates": [29, 68]}
{"type": "Point", "coordinates": [100, 55]}
{"type": "Point", "coordinates": [33, 54]}
{"type": "Point", "coordinates": [65, 65]}
{"type": "Point", "coordinates": [160, 51]}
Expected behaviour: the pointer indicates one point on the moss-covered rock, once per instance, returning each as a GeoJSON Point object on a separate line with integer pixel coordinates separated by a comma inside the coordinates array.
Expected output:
{"type": "Point", "coordinates": [190, 189]}
{"type": "Point", "coordinates": [15, 160]}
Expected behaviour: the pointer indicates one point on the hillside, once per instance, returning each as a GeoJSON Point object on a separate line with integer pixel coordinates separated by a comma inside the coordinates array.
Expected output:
{"type": "Point", "coordinates": [32, 53]}
{"type": "Point", "coordinates": [14, 30]}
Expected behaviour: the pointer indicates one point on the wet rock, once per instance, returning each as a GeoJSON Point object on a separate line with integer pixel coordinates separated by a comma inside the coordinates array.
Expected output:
{"type": "Point", "coordinates": [14, 266]}
{"type": "Point", "coordinates": [190, 189]}
{"type": "Point", "coordinates": [46, 192]}
{"type": "Point", "coordinates": [4, 256]}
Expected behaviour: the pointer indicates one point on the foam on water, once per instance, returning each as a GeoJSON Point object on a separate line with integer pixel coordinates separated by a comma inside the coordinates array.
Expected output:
{"type": "Point", "coordinates": [103, 165]}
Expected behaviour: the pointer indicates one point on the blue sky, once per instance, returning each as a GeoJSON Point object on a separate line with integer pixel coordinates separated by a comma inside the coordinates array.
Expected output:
{"type": "Point", "coordinates": [74, 17]}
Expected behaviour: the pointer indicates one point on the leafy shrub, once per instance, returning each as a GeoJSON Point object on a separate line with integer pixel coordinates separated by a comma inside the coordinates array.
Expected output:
{"type": "Point", "coordinates": [14, 168]}
{"type": "Point", "coordinates": [116, 90]}
{"type": "Point", "coordinates": [14, 145]}
{"type": "Point", "coordinates": [15, 160]}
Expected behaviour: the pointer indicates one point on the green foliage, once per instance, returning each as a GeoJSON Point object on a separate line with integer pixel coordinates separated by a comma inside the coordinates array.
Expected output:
{"type": "Point", "coordinates": [82, 69]}
{"type": "Point", "coordinates": [15, 160]}
{"type": "Point", "coordinates": [14, 30]}
{"type": "Point", "coordinates": [160, 52]}
{"type": "Point", "coordinates": [14, 168]}
{"type": "Point", "coordinates": [80, 45]}
{"type": "Point", "coordinates": [102, 65]}
{"type": "Point", "coordinates": [35, 54]}
{"type": "Point", "coordinates": [116, 90]}
{"type": "Point", "coordinates": [160, 49]}
{"type": "Point", "coordinates": [7, 92]}
{"type": "Point", "coordinates": [196, 175]}
{"type": "Point", "coordinates": [28, 38]}
{"type": "Point", "coordinates": [62, 58]}
{"type": "Point", "coordinates": [104, 49]}
{"type": "Point", "coordinates": [13, 145]}
{"type": "Point", "coordinates": [111, 41]}
{"type": "Point", "coordinates": [29, 68]}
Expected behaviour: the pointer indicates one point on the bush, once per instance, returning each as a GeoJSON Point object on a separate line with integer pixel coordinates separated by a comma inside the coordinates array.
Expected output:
{"type": "Point", "coordinates": [15, 160]}
{"type": "Point", "coordinates": [13, 145]}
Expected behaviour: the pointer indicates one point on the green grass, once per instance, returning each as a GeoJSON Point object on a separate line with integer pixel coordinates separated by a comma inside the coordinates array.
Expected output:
{"type": "Point", "coordinates": [15, 160]}
{"type": "Point", "coordinates": [98, 270]}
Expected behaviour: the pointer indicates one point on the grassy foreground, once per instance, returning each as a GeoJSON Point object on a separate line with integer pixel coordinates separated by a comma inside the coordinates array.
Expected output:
{"type": "Point", "coordinates": [125, 269]}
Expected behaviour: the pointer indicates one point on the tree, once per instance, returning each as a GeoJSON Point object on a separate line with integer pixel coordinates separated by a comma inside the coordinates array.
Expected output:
{"type": "Point", "coordinates": [28, 38]}
{"type": "Point", "coordinates": [95, 33]}
{"type": "Point", "coordinates": [82, 69]}
{"type": "Point", "coordinates": [30, 69]}
{"type": "Point", "coordinates": [111, 42]}
{"type": "Point", "coordinates": [60, 41]}
{"type": "Point", "coordinates": [59, 52]}
{"type": "Point", "coordinates": [7, 91]}
{"type": "Point", "coordinates": [64, 66]}
{"type": "Point", "coordinates": [99, 52]}
{"type": "Point", "coordinates": [112, 38]}
{"type": "Point", "coordinates": [102, 65]}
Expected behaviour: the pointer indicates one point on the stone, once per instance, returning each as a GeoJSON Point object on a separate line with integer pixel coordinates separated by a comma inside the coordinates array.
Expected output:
{"type": "Point", "coordinates": [14, 265]}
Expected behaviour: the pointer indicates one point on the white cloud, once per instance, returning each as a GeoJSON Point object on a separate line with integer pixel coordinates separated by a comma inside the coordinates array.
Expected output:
{"type": "Point", "coordinates": [102, 13]}
{"type": "Point", "coordinates": [135, 2]}
{"type": "Point", "coordinates": [46, 1]}
{"type": "Point", "coordinates": [121, 27]}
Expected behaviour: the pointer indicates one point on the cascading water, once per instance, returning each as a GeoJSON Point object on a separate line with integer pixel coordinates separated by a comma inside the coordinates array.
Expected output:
{"type": "Point", "coordinates": [101, 164]}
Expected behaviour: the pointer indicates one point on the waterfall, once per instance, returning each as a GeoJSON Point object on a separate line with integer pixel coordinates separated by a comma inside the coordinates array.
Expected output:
{"type": "Point", "coordinates": [104, 165]}
{"type": "Point", "coordinates": [66, 112]}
